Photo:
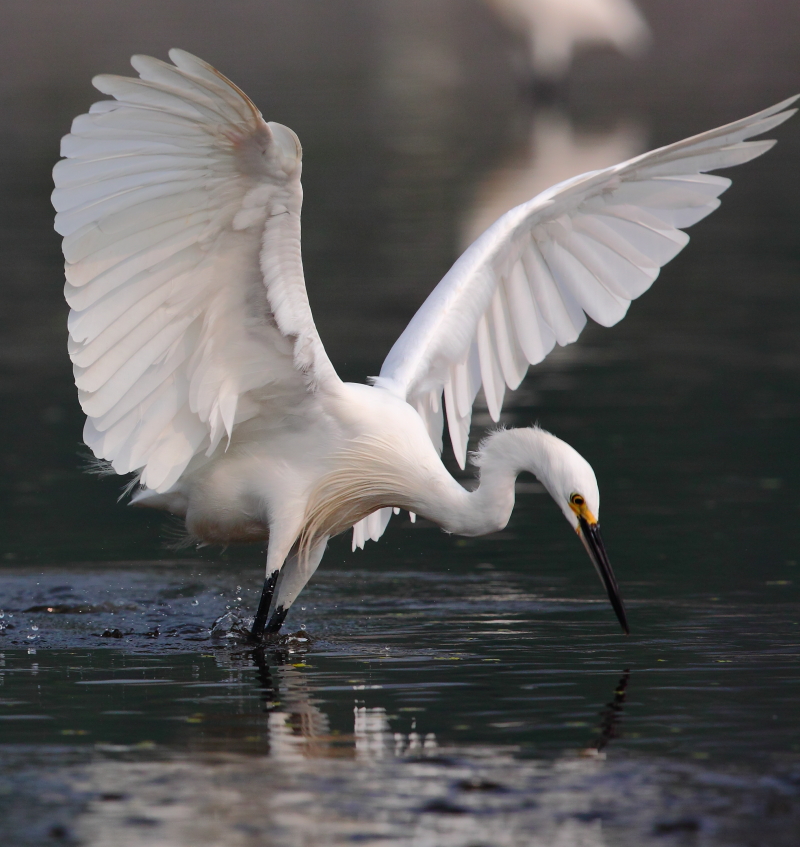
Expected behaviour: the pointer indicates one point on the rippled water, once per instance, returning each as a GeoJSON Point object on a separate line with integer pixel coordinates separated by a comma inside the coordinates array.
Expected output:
{"type": "Point", "coordinates": [436, 691]}
{"type": "Point", "coordinates": [422, 705]}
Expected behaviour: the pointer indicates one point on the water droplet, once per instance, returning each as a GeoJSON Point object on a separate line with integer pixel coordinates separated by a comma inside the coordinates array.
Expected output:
{"type": "Point", "coordinates": [230, 625]}
{"type": "Point", "coordinates": [35, 628]}
{"type": "Point", "coordinates": [195, 602]}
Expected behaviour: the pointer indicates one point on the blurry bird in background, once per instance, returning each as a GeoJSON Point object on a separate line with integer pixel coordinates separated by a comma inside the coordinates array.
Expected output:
{"type": "Point", "coordinates": [555, 29]}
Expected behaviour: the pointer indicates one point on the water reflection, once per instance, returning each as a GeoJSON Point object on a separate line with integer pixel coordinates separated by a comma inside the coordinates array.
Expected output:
{"type": "Point", "coordinates": [553, 30]}
{"type": "Point", "coordinates": [298, 728]}
{"type": "Point", "coordinates": [389, 785]}
{"type": "Point", "coordinates": [611, 715]}
{"type": "Point", "coordinates": [308, 785]}
{"type": "Point", "coordinates": [556, 150]}
{"type": "Point", "coordinates": [374, 738]}
{"type": "Point", "coordinates": [448, 719]}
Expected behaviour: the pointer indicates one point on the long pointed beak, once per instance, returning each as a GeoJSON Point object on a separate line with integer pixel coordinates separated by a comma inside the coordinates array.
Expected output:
{"type": "Point", "coordinates": [590, 536]}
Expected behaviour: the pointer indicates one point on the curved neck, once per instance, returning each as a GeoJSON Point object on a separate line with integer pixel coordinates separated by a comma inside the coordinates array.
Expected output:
{"type": "Point", "coordinates": [501, 457]}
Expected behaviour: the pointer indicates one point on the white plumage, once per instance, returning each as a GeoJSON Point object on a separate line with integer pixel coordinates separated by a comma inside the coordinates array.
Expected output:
{"type": "Point", "coordinates": [166, 193]}
{"type": "Point", "coordinates": [199, 366]}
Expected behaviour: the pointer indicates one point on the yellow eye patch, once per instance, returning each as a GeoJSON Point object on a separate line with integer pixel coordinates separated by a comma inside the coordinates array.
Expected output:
{"type": "Point", "coordinates": [577, 502]}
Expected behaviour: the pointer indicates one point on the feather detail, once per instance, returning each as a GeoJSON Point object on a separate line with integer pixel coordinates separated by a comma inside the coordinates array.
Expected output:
{"type": "Point", "coordinates": [587, 246]}
{"type": "Point", "coordinates": [180, 211]}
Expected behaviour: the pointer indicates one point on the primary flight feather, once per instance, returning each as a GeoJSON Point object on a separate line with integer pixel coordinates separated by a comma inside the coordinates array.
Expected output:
{"type": "Point", "coordinates": [200, 369]}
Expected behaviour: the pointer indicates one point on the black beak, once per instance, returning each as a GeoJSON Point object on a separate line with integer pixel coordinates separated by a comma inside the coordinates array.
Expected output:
{"type": "Point", "coordinates": [590, 536]}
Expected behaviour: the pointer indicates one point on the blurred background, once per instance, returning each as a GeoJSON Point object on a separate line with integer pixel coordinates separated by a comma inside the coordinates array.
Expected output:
{"type": "Point", "coordinates": [422, 121]}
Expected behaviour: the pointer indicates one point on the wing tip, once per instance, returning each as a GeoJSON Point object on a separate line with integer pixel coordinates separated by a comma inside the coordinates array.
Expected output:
{"type": "Point", "coordinates": [142, 59]}
{"type": "Point", "coordinates": [784, 104]}
{"type": "Point", "coordinates": [780, 113]}
{"type": "Point", "coordinates": [776, 109]}
{"type": "Point", "coordinates": [101, 82]}
{"type": "Point", "coordinates": [183, 59]}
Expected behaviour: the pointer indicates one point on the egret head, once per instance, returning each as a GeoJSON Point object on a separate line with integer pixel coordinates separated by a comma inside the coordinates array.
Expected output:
{"type": "Point", "coordinates": [571, 482]}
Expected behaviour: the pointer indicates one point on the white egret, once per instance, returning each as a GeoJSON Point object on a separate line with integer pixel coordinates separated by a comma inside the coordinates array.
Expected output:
{"type": "Point", "coordinates": [200, 369]}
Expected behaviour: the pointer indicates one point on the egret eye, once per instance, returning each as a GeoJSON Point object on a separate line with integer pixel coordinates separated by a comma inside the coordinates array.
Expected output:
{"type": "Point", "coordinates": [577, 500]}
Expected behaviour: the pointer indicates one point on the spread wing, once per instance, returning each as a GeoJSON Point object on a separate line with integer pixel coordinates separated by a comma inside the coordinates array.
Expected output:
{"type": "Point", "coordinates": [180, 211]}
{"type": "Point", "coordinates": [588, 246]}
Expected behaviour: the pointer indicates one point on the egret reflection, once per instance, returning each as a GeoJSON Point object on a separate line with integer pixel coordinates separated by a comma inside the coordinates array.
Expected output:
{"type": "Point", "coordinates": [383, 785]}
{"type": "Point", "coordinates": [374, 738]}
{"type": "Point", "coordinates": [611, 716]}
{"type": "Point", "coordinates": [298, 728]}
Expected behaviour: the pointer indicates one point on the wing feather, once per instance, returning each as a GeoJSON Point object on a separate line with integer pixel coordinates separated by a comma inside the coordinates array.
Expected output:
{"type": "Point", "coordinates": [562, 315]}
{"type": "Point", "coordinates": [589, 245]}
{"type": "Point", "coordinates": [494, 386]}
{"type": "Point", "coordinates": [180, 213]}
{"type": "Point", "coordinates": [512, 362]}
{"type": "Point", "coordinates": [97, 305]}
{"type": "Point", "coordinates": [535, 336]}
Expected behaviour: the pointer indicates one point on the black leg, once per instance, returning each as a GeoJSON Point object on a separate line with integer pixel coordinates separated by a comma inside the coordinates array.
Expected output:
{"type": "Point", "coordinates": [257, 632]}
{"type": "Point", "coordinates": [277, 619]}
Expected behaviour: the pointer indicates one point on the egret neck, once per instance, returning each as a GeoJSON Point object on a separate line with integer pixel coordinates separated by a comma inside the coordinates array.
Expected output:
{"type": "Point", "coordinates": [566, 475]}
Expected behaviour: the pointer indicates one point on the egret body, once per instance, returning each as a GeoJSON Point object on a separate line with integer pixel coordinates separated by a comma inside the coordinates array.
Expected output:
{"type": "Point", "coordinates": [200, 369]}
